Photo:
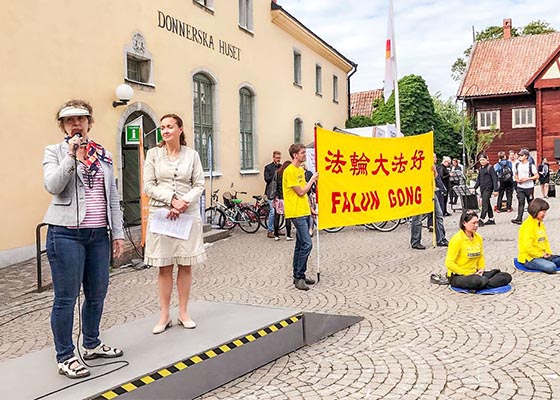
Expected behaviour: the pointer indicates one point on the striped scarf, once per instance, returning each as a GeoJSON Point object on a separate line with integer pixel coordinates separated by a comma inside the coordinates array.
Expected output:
{"type": "Point", "coordinates": [94, 152]}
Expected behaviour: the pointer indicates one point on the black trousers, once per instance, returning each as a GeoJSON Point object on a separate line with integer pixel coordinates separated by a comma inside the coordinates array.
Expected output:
{"type": "Point", "coordinates": [489, 279]}
{"type": "Point", "coordinates": [522, 196]}
{"type": "Point", "coordinates": [507, 188]}
{"type": "Point", "coordinates": [486, 194]}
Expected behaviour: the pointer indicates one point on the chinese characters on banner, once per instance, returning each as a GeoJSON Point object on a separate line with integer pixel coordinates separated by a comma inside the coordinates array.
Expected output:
{"type": "Point", "coordinates": [365, 180]}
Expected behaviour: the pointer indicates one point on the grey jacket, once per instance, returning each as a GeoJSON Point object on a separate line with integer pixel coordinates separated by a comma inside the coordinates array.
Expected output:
{"type": "Point", "coordinates": [59, 180]}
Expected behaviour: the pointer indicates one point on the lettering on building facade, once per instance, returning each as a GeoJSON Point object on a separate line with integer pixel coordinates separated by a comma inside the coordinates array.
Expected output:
{"type": "Point", "coordinates": [199, 36]}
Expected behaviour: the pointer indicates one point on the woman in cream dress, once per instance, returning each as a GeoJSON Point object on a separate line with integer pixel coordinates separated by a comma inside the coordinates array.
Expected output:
{"type": "Point", "coordinates": [174, 181]}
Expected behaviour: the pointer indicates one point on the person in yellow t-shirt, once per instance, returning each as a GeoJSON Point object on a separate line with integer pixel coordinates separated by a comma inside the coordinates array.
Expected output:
{"type": "Point", "coordinates": [533, 245]}
{"type": "Point", "coordinates": [465, 258]}
{"type": "Point", "coordinates": [296, 207]}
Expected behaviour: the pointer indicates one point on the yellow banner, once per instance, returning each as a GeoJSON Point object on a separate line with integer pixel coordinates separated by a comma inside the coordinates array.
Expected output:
{"type": "Point", "coordinates": [365, 180]}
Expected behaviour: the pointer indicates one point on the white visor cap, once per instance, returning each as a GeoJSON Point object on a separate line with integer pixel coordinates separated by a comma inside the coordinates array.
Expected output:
{"type": "Point", "coordinates": [73, 111]}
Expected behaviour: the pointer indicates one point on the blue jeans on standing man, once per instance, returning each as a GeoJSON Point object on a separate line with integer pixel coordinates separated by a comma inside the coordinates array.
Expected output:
{"type": "Point", "coordinates": [270, 223]}
{"type": "Point", "coordinates": [75, 261]}
{"type": "Point", "coordinates": [416, 226]}
{"type": "Point", "coordinates": [542, 264]}
{"type": "Point", "coordinates": [303, 246]}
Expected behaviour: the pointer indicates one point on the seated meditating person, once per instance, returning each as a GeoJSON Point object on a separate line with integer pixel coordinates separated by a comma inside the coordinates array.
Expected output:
{"type": "Point", "coordinates": [533, 247]}
{"type": "Point", "coordinates": [465, 258]}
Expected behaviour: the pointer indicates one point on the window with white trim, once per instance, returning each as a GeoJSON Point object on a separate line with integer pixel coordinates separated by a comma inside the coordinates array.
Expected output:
{"type": "Point", "coordinates": [246, 100]}
{"type": "Point", "coordinates": [523, 118]}
{"type": "Point", "coordinates": [335, 88]}
{"type": "Point", "coordinates": [298, 129]}
{"type": "Point", "coordinates": [246, 14]}
{"type": "Point", "coordinates": [487, 120]}
{"type": "Point", "coordinates": [318, 80]}
{"type": "Point", "coordinates": [203, 118]}
{"type": "Point", "coordinates": [297, 68]}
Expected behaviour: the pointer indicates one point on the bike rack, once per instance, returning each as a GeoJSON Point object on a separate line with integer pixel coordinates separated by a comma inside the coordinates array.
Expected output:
{"type": "Point", "coordinates": [40, 287]}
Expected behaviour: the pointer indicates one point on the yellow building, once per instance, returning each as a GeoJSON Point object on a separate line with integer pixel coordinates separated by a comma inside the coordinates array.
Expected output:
{"type": "Point", "coordinates": [244, 73]}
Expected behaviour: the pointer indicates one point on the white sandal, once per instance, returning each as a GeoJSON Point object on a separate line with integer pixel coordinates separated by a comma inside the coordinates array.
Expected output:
{"type": "Point", "coordinates": [73, 368]}
{"type": "Point", "coordinates": [102, 350]}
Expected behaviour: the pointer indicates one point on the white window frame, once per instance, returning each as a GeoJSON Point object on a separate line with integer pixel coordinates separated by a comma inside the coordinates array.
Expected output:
{"type": "Point", "coordinates": [488, 119]}
{"type": "Point", "coordinates": [297, 68]}
{"type": "Point", "coordinates": [523, 117]}
{"type": "Point", "coordinates": [318, 80]}
{"type": "Point", "coordinates": [335, 88]}
{"type": "Point", "coordinates": [246, 15]}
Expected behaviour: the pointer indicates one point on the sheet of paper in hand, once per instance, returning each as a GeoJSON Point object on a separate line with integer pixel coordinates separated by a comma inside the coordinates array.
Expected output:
{"type": "Point", "coordinates": [179, 228]}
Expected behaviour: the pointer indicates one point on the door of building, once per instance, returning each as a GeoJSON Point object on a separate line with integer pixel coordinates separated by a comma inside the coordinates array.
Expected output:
{"type": "Point", "coordinates": [131, 171]}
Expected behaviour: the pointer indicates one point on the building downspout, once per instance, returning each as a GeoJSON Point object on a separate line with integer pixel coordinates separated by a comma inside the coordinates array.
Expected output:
{"type": "Point", "coordinates": [354, 69]}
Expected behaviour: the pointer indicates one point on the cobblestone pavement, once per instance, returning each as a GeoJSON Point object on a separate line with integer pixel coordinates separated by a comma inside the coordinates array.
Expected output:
{"type": "Point", "coordinates": [417, 341]}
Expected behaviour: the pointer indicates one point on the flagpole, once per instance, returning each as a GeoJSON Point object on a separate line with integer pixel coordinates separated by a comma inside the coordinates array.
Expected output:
{"type": "Point", "coordinates": [395, 75]}
{"type": "Point", "coordinates": [317, 215]}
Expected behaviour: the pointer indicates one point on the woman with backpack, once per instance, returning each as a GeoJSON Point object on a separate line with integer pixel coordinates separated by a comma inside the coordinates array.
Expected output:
{"type": "Point", "coordinates": [544, 177]}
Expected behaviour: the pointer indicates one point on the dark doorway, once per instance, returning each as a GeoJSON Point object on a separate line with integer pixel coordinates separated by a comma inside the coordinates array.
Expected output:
{"type": "Point", "coordinates": [130, 170]}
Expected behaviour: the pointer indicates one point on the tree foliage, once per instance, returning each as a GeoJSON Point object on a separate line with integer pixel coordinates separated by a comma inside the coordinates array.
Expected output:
{"type": "Point", "coordinates": [497, 32]}
{"type": "Point", "coordinates": [416, 107]}
{"type": "Point", "coordinates": [447, 128]}
{"type": "Point", "coordinates": [358, 121]}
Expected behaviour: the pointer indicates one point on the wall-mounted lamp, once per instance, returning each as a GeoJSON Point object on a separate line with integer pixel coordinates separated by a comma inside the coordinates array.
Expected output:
{"type": "Point", "coordinates": [124, 94]}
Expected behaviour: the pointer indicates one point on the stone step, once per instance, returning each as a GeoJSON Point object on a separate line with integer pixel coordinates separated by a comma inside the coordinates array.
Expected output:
{"type": "Point", "coordinates": [215, 234]}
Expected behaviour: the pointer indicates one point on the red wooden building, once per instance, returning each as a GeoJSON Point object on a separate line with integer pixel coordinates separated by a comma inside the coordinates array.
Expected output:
{"type": "Point", "coordinates": [513, 84]}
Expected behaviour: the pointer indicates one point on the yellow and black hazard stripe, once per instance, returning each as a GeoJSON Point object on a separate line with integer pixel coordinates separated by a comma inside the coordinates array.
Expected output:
{"type": "Point", "coordinates": [181, 365]}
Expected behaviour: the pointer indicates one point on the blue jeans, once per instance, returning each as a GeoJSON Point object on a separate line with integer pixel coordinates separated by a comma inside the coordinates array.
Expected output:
{"type": "Point", "coordinates": [542, 264]}
{"type": "Point", "coordinates": [77, 261]}
{"type": "Point", "coordinates": [270, 223]}
{"type": "Point", "coordinates": [303, 246]}
{"type": "Point", "coordinates": [416, 226]}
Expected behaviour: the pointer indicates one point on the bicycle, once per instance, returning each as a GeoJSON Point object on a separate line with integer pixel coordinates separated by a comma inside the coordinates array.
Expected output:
{"type": "Point", "coordinates": [231, 213]}
{"type": "Point", "coordinates": [383, 226]}
{"type": "Point", "coordinates": [262, 208]}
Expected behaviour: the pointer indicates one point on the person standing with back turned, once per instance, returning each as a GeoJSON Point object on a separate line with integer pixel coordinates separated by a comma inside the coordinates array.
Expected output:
{"type": "Point", "coordinates": [296, 207]}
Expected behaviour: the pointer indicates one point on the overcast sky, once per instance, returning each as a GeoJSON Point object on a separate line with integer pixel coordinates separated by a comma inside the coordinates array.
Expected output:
{"type": "Point", "coordinates": [429, 34]}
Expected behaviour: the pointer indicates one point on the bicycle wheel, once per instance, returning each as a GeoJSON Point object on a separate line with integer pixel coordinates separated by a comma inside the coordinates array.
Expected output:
{"type": "Point", "coordinates": [334, 230]}
{"type": "Point", "coordinates": [248, 220]}
{"type": "Point", "coordinates": [387, 226]}
{"type": "Point", "coordinates": [371, 226]}
{"type": "Point", "coordinates": [215, 217]}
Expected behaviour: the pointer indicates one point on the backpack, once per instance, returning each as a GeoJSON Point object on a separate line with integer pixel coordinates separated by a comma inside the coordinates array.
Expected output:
{"type": "Point", "coordinates": [271, 189]}
{"type": "Point", "coordinates": [505, 174]}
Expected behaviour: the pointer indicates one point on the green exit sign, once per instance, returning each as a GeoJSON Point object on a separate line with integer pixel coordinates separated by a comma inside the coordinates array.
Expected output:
{"type": "Point", "coordinates": [132, 134]}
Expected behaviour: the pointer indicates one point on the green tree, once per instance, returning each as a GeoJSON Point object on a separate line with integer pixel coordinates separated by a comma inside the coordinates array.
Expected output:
{"type": "Point", "coordinates": [537, 28]}
{"type": "Point", "coordinates": [358, 121]}
{"type": "Point", "coordinates": [497, 32]}
{"type": "Point", "coordinates": [447, 128]}
{"type": "Point", "coordinates": [416, 107]}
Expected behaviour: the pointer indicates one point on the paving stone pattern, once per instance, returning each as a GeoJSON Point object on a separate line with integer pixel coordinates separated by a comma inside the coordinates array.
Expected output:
{"type": "Point", "coordinates": [417, 341]}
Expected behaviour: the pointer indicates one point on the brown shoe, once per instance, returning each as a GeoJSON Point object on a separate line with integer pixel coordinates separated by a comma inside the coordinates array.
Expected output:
{"type": "Point", "coordinates": [270, 235]}
{"type": "Point", "coordinates": [301, 285]}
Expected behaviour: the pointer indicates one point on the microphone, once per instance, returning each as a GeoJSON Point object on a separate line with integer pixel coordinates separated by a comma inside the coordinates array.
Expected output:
{"type": "Point", "coordinates": [77, 145]}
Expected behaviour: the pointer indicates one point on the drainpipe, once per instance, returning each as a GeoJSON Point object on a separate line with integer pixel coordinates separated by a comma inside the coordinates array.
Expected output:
{"type": "Point", "coordinates": [354, 69]}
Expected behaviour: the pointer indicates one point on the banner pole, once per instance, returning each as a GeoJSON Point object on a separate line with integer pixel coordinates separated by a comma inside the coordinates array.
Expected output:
{"type": "Point", "coordinates": [317, 215]}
